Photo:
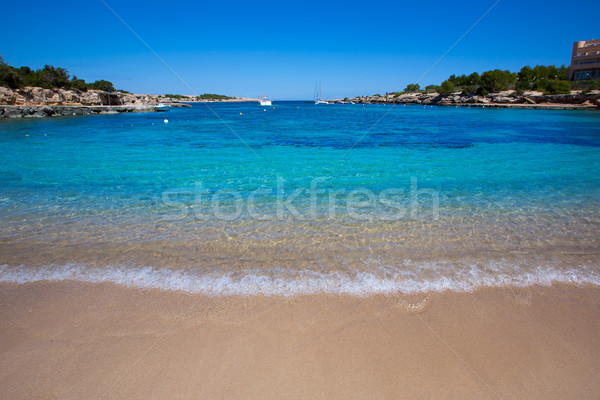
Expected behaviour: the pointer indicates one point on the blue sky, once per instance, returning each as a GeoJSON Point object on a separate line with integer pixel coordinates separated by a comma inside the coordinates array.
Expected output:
{"type": "Point", "coordinates": [281, 48]}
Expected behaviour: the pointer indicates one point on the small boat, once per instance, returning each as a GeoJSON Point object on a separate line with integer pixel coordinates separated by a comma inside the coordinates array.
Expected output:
{"type": "Point", "coordinates": [162, 107]}
{"type": "Point", "coordinates": [318, 99]}
{"type": "Point", "coordinates": [264, 101]}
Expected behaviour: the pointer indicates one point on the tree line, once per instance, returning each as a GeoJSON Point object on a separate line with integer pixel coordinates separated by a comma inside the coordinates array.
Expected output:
{"type": "Point", "coordinates": [48, 77]}
{"type": "Point", "coordinates": [205, 96]}
{"type": "Point", "coordinates": [547, 79]}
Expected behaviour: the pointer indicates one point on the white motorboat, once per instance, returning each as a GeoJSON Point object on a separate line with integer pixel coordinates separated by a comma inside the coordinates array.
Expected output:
{"type": "Point", "coordinates": [264, 101]}
{"type": "Point", "coordinates": [161, 107]}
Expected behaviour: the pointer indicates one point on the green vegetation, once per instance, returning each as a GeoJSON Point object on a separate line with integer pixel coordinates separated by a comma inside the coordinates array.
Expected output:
{"type": "Point", "coordinates": [209, 96]}
{"type": "Point", "coordinates": [446, 88]}
{"type": "Point", "coordinates": [556, 86]}
{"type": "Point", "coordinates": [411, 88]}
{"type": "Point", "coordinates": [175, 96]}
{"type": "Point", "coordinates": [497, 80]}
{"type": "Point", "coordinates": [586, 85]}
{"type": "Point", "coordinates": [101, 85]}
{"type": "Point", "coordinates": [205, 96]}
{"type": "Point", "coordinates": [469, 90]}
{"type": "Point", "coordinates": [48, 77]}
{"type": "Point", "coordinates": [538, 78]}
{"type": "Point", "coordinates": [464, 80]}
{"type": "Point", "coordinates": [548, 79]}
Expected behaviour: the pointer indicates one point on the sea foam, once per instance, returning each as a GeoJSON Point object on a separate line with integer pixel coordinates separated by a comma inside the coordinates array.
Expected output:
{"type": "Point", "coordinates": [280, 282]}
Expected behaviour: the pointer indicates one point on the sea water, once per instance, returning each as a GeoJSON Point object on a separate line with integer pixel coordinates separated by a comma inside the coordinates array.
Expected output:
{"type": "Point", "coordinates": [235, 198]}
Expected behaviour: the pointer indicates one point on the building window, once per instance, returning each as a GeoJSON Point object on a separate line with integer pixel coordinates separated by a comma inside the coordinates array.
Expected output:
{"type": "Point", "coordinates": [586, 62]}
{"type": "Point", "coordinates": [579, 75]}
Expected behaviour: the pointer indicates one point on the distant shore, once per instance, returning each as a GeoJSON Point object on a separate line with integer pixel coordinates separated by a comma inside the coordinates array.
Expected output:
{"type": "Point", "coordinates": [576, 100]}
{"type": "Point", "coordinates": [32, 102]}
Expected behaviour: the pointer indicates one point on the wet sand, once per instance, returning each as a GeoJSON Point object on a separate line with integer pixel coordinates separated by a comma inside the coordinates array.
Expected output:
{"type": "Point", "coordinates": [81, 341]}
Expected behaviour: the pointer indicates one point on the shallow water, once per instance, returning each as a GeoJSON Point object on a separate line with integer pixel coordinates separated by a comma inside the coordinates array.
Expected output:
{"type": "Point", "coordinates": [302, 198]}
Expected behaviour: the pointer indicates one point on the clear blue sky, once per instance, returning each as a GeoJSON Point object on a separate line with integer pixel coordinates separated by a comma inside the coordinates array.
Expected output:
{"type": "Point", "coordinates": [281, 48]}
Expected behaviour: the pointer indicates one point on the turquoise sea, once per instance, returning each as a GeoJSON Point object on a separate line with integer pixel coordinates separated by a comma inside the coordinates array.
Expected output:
{"type": "Point", "coordinates": [235, 198]}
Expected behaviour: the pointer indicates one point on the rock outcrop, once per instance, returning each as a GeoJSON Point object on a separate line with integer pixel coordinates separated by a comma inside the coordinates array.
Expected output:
{"type": "Point", "coordinates": [20, 111]}
{"type": "Point", "coordinates": [36, 96]}
{"type": "Point", "coordinates": [577, 100]}
{"type": "Point", "coordinates": [40, 102]}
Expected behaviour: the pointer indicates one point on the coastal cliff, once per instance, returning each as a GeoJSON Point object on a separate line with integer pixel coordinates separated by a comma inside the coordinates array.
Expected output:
{"type": "Point", "coordinates": [36, 96]}
{"type": "Point", "coordinates": [39, 102]}
{"type": "Point", "coordinates": [509, 98]}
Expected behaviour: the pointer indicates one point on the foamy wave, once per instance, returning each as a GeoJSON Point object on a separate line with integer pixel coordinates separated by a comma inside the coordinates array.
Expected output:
{"type": "Point", "coordinates": [279, 282]}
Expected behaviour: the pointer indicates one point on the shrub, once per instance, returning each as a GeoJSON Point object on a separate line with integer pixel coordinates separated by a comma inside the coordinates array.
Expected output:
{"type": "Point", "coordinates": [482, 92]}
{"type": "Point", "coordinates": [446, 88]}
{"type": "Point", "coordinates": [101, 85]}
{"type": "Point", "coordinates": [469, 90]}
{"type": "Point", "coordinates": [48, 77]}
{"type": "Point", "coordinates": [79, 84]}
{"type": "Point", "coordinates": [585, 84]}
{"type": "Point", "coordinates": [497, 80]}
{"type": "Point", "coordinates": [9, 76]}
{"type": "Point", "coordinates": [209, 96]}
{"type": "Point", "coordinates": [412, 87]}
{"type": "Point", "coordinates": [556, 86]}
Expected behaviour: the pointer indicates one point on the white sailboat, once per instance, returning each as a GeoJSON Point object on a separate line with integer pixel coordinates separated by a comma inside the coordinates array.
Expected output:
{"type": "Point", "coordinates": [318, 98]}
{"type": "Point", "coordinates": [264, 101]}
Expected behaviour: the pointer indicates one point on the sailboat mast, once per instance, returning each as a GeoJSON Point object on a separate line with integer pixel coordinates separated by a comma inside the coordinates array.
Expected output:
{"type": "Point", "coordinates": [320, 94]}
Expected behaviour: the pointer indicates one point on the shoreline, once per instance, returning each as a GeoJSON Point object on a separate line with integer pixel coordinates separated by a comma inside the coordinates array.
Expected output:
{"type": "Point", "coordinates": [80, 340]}
{"type": "Point", "coordinates": [274, 283]}
{"type": "Point", "coordinates": [27, 111]}
{"type": "Point", "coordinates": [38, 102]}
{"type": "Point", "coordinates": [576, 100]}
{"type": "Point", "coordinates": [527, 106]}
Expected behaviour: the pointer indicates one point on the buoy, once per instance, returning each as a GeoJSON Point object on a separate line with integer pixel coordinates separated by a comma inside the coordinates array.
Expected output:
{"type": "Point", "coordinates": [166, 121]}
{"type": "Point", "coordinates": [265, 109]}
{"type": "Point", "coordinates": [241, 114]}
{"type": "Point", "coordinates": [273, 108]}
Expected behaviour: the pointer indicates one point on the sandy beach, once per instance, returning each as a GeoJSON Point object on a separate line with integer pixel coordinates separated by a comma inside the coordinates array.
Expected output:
{"type": "Point", "coordinates": [80, 341]}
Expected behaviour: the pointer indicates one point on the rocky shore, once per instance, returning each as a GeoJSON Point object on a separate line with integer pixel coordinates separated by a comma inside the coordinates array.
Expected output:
{"type": "Point", "coordinates": [24, 111]}
{"type": "Point", "coordinates": [510, 98]}
{"type": "Point", "coordinates": [32, 102]}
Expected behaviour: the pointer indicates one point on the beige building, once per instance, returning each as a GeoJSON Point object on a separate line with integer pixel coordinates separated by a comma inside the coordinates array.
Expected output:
{"type": "Point", "coordinates": [585, 60]}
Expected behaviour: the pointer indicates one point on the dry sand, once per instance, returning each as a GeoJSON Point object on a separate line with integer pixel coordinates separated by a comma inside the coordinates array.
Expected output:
{"type": "Point", "coordinates": [83, 341]}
